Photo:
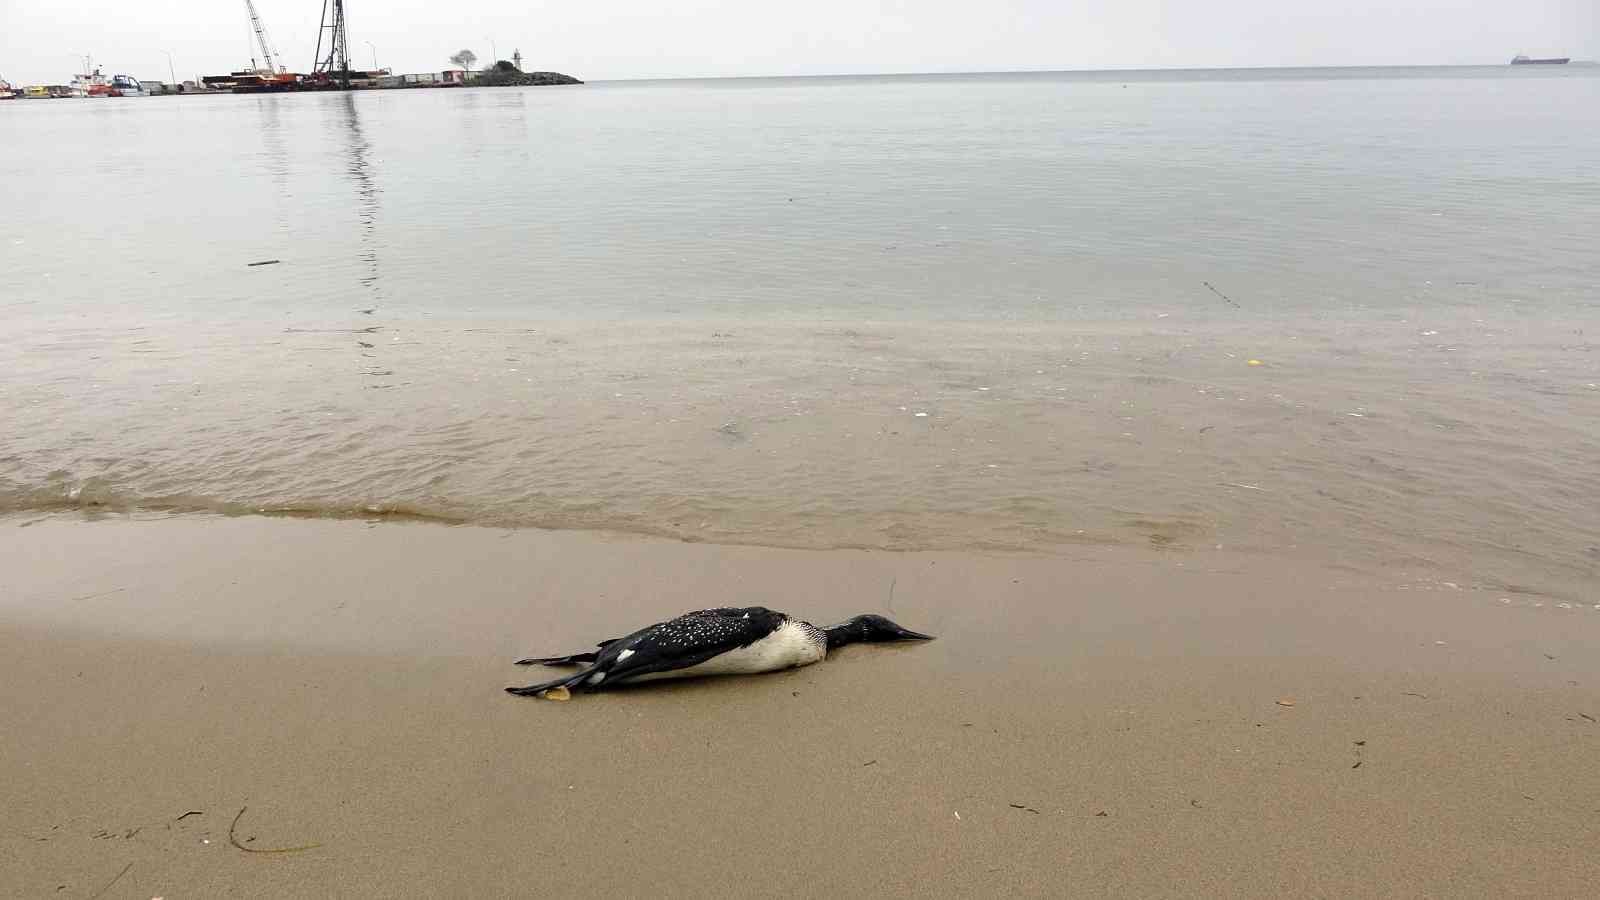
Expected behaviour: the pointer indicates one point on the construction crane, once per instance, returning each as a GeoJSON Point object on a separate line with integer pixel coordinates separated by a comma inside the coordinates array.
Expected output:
{"type": "Point", "coordinates": [337, 61]}
{"type": "Point", "coordinates": [269, 56]}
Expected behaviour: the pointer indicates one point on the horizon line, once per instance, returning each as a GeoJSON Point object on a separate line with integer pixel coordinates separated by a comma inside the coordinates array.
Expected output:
{"type": "Point", "coordinates": [1095, 71]}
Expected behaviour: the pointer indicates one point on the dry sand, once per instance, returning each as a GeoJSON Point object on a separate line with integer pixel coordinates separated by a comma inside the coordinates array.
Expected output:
{"type": "Point", "coordinates": [1109, 722]}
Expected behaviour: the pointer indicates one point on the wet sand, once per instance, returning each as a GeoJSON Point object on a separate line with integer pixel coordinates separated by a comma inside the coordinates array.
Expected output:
{"type": "Point", "coordinates": [1109, 720]}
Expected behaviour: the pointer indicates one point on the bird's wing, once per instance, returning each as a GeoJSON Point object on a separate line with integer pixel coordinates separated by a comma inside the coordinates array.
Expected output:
{"type": "Point", "coordinates": [686, 641]}
{"type": "Point", "coordinates": [727, 612]}
{"type": "Point", "coordinates": [571, 659]}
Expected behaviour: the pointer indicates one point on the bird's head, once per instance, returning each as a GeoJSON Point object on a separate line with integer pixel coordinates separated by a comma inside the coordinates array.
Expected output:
{"type": "Point", "coordinates": [870, 629]}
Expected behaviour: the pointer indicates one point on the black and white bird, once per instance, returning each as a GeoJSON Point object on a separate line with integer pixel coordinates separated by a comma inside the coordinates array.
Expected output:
{"type": "Point", "coordinates": [726, 641]}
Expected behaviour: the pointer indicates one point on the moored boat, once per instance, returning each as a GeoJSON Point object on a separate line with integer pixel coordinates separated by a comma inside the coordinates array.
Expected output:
{"type": "Point", "coordinates": [1550, 61]}
{"type": "Point", "coordinates": [127, 86]}
{"type": "Point", "coordinates": [252, 81]}
{"type": "Point", "coordinates": [91, 84]}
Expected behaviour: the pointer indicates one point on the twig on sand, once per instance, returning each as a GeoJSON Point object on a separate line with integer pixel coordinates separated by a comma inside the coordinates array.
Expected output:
{"type": "Point", "coordinates": [235, 841]}
{"type": "Point", "coordinates": [264, 262]}
{"type": "Point", "coordinates": [370, 329]}
{"type": "Point", "coordinates": [113, 881]}
{"type": "Point", "coordinates": [98, 596]}
{"type": "Point", "coordinates": [1225, 297]}
{"type": "Point", "coordinates": [1023, 808]}
{"type": "Point", "coordinates": [192, 812]}
{"type": "Point", "coordinates": [891, 592]}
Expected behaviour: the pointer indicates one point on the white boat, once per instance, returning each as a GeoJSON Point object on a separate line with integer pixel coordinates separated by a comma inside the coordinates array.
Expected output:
{"type": "Point", "coordinates": [127, 86]}
{"type": "Point", "coordinates": [90, 84]}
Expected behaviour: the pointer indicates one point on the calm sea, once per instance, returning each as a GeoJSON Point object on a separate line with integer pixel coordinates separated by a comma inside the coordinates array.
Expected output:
{"type": "Point", "coordinates": [1352, 314]}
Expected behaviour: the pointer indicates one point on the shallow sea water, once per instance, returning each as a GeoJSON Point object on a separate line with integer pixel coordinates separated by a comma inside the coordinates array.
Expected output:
{"type": "Point", "coordinates": [1350, 314]}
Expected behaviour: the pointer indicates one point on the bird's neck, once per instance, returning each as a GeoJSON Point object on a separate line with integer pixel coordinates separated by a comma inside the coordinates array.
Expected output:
{"type": "Point", "coordinates": [843, 633]}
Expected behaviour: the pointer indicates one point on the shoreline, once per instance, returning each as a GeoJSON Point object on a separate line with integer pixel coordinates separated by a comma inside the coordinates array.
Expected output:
{"type": "Point", "coordinates": [1425, 448]}
{"type": "Point", "coordinates": [1250, 724]}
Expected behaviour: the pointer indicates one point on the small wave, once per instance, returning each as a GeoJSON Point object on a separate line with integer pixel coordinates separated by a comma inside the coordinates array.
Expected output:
{"type": "Point", "coordinates": [98, 495]}
{"type": "Point", "coordinates": [94, 495]}
{"type": "Point", "coordinates": [976, 525]}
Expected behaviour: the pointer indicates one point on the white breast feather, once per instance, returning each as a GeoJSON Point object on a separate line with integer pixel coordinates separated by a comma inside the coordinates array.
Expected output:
{"type": "Point", "coordinates": [791, 645]}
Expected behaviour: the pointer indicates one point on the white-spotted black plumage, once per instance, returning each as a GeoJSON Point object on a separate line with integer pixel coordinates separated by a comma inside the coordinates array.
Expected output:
{"type": "Point", "coordinates": [723, 641]}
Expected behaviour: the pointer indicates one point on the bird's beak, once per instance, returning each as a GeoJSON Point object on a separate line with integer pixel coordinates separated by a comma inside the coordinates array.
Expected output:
{"type": "Point", "coordinates": [906, 634]}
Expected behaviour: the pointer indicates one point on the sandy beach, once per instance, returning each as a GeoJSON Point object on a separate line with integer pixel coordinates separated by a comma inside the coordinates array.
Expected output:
{"type": "Point", "coordinates": [186, 693]}
{"type": "Point", "coordinates": [1233, 429]}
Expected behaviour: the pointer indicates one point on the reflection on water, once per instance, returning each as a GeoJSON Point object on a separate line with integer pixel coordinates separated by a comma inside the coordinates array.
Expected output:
{"type": "Point", "coordinates": [275, 151]}
{"type": "Point", "coordinates": [273, 140]}
{"type": "Point", "coordinates": [511, 119]}
{"type": "Point", "coordinates": [359, 169]}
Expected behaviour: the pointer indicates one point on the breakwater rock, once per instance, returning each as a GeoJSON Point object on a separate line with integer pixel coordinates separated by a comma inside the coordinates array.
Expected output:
{"type": "Point", "coordinates": [513, 78]}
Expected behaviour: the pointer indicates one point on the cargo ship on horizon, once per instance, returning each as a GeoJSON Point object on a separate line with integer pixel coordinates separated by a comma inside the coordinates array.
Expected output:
{"type": "Point", "coordinates": [1520, 60]}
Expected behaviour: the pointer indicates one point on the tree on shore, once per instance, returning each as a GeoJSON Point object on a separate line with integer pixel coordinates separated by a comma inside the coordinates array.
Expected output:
{"type": "Point", "coordinates": [465, 59]}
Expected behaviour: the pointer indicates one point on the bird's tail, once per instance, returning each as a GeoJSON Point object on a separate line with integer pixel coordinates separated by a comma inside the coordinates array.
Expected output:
{"type": "Point", "coordinates": [573, 682]}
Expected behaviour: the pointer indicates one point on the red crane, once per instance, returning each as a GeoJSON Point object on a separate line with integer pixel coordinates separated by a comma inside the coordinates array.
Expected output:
{"type": "Point", "coordinates": [268, 55]}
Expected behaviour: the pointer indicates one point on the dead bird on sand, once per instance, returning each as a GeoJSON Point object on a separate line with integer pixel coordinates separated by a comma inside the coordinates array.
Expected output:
{"type": "Point", "coordinates": [725, 641]}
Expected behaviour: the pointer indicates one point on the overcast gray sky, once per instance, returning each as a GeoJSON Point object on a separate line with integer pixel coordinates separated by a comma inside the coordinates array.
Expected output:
{"type": "Point", "coordinates": [597, 39]}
